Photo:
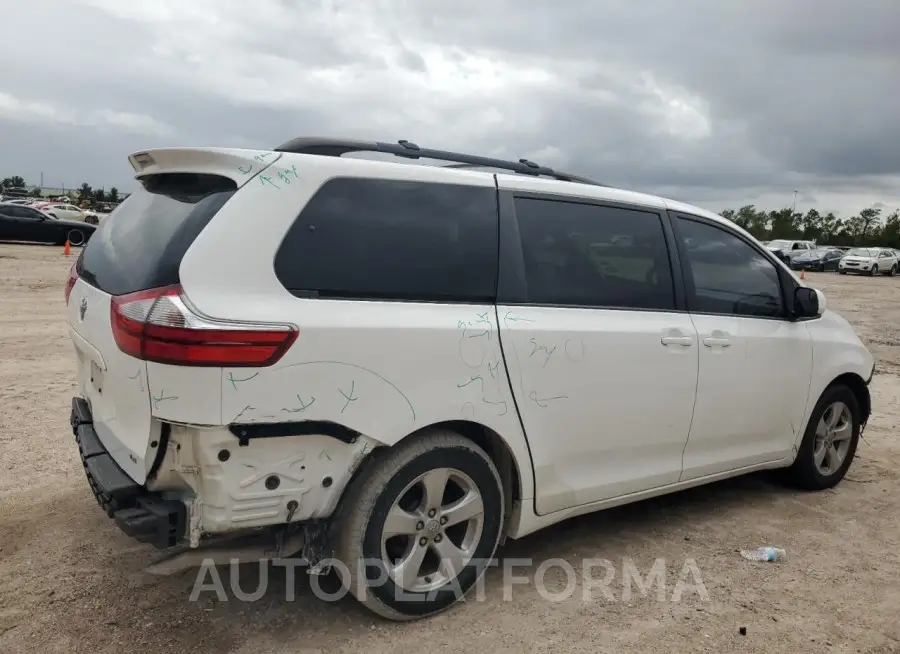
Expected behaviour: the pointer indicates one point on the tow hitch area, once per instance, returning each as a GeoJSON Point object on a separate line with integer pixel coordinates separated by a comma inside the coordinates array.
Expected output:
{"type": "Point", "coordinates": [309, 541]}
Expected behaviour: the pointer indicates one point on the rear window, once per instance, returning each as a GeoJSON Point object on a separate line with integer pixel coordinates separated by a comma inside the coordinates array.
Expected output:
{"type": "Point", "coordinates": [141, 244]}
{"type": "Point", "coordinates": [393, 240]}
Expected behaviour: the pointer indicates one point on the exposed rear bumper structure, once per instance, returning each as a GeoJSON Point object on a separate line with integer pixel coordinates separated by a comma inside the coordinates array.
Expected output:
{"type": "Point", "coordinates": [145, 516]}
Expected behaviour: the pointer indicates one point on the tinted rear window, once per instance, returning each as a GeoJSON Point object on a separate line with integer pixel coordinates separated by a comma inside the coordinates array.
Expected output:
{"type": "Point", "coordinates": [141, 244]}
{"type": "Point", "coordinates": [393, 240]}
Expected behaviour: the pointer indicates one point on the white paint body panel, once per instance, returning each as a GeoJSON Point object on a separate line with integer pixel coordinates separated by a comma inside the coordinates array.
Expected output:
{"type": "Point", "coordinates": [751, 393]}
{"type": "Point", "coordinates": [113, 383]}
{"type": "Point", "coordinates": [599, 422]}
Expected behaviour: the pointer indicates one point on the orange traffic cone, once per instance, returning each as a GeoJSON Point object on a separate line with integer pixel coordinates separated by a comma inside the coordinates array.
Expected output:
{"type": "Point", "coordinates": [802, 275]}
{"type": "Point", "coordinates": [67, 250]}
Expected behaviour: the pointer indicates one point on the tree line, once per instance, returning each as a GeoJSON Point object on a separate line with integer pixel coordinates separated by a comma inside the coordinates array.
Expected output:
{"type": "Point", "coordinates": [868, 228]}
{"type": "Point", "coordinates": [84, 192]}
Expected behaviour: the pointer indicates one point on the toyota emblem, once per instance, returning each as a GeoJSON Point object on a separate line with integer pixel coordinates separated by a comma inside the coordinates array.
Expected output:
{"type": "Point", "coordinates": [83, 309]}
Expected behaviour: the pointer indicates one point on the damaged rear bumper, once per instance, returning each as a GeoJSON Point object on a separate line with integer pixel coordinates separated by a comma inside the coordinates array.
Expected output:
{"type": "Point", "coordinates": [143, 515]}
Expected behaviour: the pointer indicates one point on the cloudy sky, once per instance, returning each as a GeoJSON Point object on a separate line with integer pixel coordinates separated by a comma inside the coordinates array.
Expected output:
{"type": "Point", "coordinates": [716, 102]}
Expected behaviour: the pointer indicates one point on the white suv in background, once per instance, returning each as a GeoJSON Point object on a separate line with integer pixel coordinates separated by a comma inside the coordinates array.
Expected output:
{"type": "Point", "coordinates": [869, 261]}
{"type": "Point", "coordinates": [403, 365]}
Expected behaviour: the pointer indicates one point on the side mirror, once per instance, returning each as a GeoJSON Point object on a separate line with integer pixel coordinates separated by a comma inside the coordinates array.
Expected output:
{"type": "Point", "coordinates": [808, 302]}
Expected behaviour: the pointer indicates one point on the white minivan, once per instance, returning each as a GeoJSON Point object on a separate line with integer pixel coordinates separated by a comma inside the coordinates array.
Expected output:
{"type": "Point", "coordinates": [389, 369]}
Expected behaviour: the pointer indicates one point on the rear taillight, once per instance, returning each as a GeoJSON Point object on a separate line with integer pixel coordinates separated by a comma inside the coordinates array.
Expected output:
{"type": "Point", "coordinates": [73, 277]}
{"type": "Point", "coordinates": [157, 325]}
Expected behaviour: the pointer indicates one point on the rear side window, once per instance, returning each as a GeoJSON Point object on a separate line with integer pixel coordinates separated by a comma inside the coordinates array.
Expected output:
{"type": "Point", "coordinates": [393, 240]}
{"type": "Point", "coordinates": [594, 256]}
{"type": "Point", "coordinates": [141, 244]}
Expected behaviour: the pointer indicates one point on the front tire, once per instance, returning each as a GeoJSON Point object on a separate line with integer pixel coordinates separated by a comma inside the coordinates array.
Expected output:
{"type": "Point", "coordinates": [420, 525]}
{"type": "Point", "coordinates": [829, 443]}
{"type": "Point", "coordinates": [874, 270]}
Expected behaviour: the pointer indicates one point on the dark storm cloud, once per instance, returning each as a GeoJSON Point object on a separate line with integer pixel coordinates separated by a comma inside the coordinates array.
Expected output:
{"type": "Point", "coordinates": [708, 101]}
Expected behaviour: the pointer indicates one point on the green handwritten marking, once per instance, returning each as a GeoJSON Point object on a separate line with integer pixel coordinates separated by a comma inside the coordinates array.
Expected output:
{"type": "Point", "coordinates": [462, 337]}
{"type": "Point", "coordinates": [350, 397]}
{"type": "Point", "coordinates": [265, 179]}
{"type": "Point", "coordinates": [479, 378]}
{"type": "Point", "coordinates": [303, 405]}
{"type": "Point", "coordinates": [484, 320]}
{"type": "Point", "coordinates": [472, 380]}
{"type": "Point", "coordinates": [285, 175]}
{"type": "Point", "coordinates": [511, 318]}
{"type": "Point", "coordinates": [246, 172]}
{"type": "Point", "coordinates": [243, 411]}
{"type": "Point", "coordinates": [234, 380]}
{"type": "Point", "coordinates": [536, 347]}
{"type": "Point", "coordinates": [541, 402]}
{"type": "Point", "coordinates": [505, 405]}
{"type": "Point", "coordinates": [357, 367]}
{"type": "Point", "coordinates": [162, 398]}
{"type": "Point", "coordinates": [136, 375]}
{"type": "Point", "coordinates": [492, 368]}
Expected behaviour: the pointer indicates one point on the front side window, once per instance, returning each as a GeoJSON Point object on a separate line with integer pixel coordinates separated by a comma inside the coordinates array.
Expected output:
{"type": "Point", "coordinates": [729, 276]}
{"type": "Point", "coordinates": [589, 255]}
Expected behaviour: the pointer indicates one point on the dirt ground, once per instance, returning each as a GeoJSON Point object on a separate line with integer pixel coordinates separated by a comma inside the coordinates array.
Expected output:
{"type": "Point", "coordinates": [71, 582]}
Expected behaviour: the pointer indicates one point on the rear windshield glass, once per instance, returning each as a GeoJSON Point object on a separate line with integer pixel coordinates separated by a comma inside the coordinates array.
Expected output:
{"type": "Point", "coordinates": [140, 245]}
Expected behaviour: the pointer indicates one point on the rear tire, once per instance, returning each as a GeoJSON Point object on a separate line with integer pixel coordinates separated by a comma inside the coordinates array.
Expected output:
{"type": "Point", "coordinates": [892, 271]}
{"type": "Point", "coordinates": [92, 220]}
{"type": "Point", "coordinates": [465, 486]}
{"type": "Point", "coordinates": [75, 237]}
{"type": "Point", "coordinates": [829, 443]}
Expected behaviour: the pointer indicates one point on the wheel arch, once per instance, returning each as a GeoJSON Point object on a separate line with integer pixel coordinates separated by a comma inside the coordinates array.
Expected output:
{"type": "Point", "coordinates": [486, 438]}
{"type": "Point", "coordinates": [860, 390]}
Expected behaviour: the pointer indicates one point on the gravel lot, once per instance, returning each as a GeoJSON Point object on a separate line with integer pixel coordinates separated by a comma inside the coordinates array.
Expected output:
{"type": "Point", "coordinates": [71, 582]}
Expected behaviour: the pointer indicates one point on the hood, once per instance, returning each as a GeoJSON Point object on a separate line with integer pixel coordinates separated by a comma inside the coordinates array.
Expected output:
{"type": "Point", "coordinates": [809, 256]}
{"type": "Point", "coordinates": [85, 227]}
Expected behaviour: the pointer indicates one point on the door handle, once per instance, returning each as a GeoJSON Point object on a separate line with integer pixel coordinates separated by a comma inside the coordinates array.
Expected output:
{"type": "Point", "coordinates": [685, 341]}
{"type": "Point", "coordinates": [713, 341]}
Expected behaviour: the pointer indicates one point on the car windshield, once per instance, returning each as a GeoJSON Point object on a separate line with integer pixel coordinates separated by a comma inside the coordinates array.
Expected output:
{"type": "Point", "coordinates": [779, 244]}
{"type": "Point", "coordinates": [819, 252]}
{"type": "Point", "coordinates": [861, 252]}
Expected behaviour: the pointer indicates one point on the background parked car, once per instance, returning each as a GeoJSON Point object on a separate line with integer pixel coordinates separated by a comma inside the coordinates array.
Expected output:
{"type": "Point", "coordinates": [820, 259]}
{"type": "Point", "coordinates": [69, 212]}
{"type": "Point", "coordinates": [869, 261]}
{"type": "Point", "coordinates": [783, 248]}
{"type": "Point", "coordinates": [20, 223]}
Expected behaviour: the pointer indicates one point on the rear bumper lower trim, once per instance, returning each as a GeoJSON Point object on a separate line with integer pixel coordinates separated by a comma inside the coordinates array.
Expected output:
{"type": "Point", "coordinates": [145, 516]}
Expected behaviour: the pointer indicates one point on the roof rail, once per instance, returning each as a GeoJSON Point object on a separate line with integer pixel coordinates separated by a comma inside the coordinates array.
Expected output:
{"type": "Point", "coordinates": [337, 147]}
